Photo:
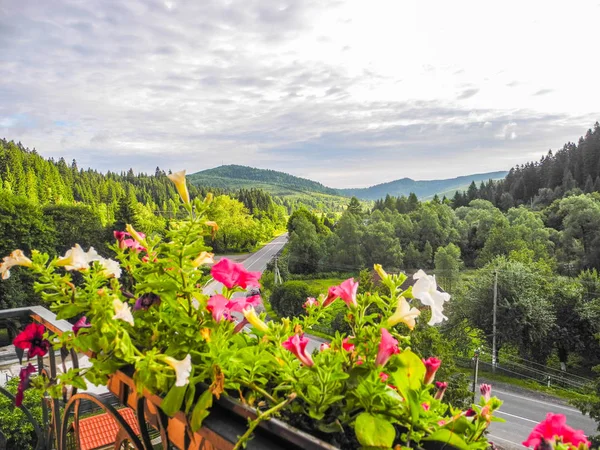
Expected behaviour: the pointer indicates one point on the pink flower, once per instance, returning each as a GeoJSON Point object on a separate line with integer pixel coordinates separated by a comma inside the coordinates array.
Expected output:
{"type": "Point", "coordinates": [388, 346]}
{"type": "Point", "coordinates": [359, 361]}
{"type": "Point", "coordinates": [346, 291]}
{"type": "Point", "coordinates": [217, 305]}
{"type": "Point", "coordinates": [425, 406]}
{"type": "Point", "coordinates": [553, 427]}
{"type": "Point", "coordinates": [441, 389]}
{"type": "Point", "coordinates": [346, 345]}
{"type": "Point", "coordinates": [24, 375]}
{"type": "Point", "coordinates": [324, 346]}
{"type": "Point", "coordinates": [297, 345]}
{"type": "Point", "coordinates": [32, 338]}
{"type": "Point", "coordinates": [81, 323]}
{"type": "Point", "coordinates": [431, 365]}
{"type": "Point", "coordinates": [232, 274]}
{"type": "Point", "coordinates": [383, 376]}
{"type": "Point", "coordinates": [238, 304]}
{"type": "Point", "coordinates": [121, 236]}
{"type": "Point", "coordinates": [310, 302]}
{"type": "Point", "coordinates": [486, 391]}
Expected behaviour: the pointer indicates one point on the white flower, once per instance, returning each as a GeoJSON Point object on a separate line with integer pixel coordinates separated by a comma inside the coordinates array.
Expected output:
{"type": "Point", "coordinates": [16, 258]}
{"type": "Point", "coordinates": [122, 311]}
{"type": "Point", "coordinates": [425, 289]}
{"type": "Point", "coordinates": [111, 267]}
{"type": "Point", "coordinates": [404, 313]}
{"type": "Point", "coordinates": [182, 369]}
{"type": "Point", "coordinates": [76, 259]}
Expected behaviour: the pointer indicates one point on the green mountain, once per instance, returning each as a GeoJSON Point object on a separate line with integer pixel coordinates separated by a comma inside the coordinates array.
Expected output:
{"type": "Point", "coordinates": [424, 189]}
{"type": "Point", "coordinates": [284, 185]}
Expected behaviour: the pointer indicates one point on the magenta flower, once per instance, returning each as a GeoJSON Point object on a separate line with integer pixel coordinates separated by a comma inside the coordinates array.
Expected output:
{"type": "Point", "coordinates": [217, 305]}
{"type": "Point", "coordinates": [431, 366]}
{"type": "Point", "coordinates": [553, 427]}
{"type": "Point", "coordinates": [32, 338]}
{"type": "Point", "coordinates": [231, 274]}
{"type": "Point", "coordinates": [388, 346]}
{"type": "Point", "coordinates": [310, 302]}
{"type": "Point", "coordinates": [145, 301]}
{"type": "Point", "coordinates": [441, 389]}
{"type": "Point", "coordinates": [238, 304]}
{"type": "Point", "coordinates": [297, 345]}
{"type": "Point", "coordinates": [383, 376]}
{"type": "Point", "coordinates": [346, 291]}
{"type": "Point", "coordinates": [121, 237]}
{"type": "Point", "coordinates": [81, 323]}
{"type": "Point", "coordinates": [470, 413]}
{"type": "Point", "coordinates": [486, 391]}
{"type": "Point", "coordinates": [24, 375]}
{"type": "Point", "coordinates": [347, 345]}
{"type": "Point", "coordinates": [425, 406]}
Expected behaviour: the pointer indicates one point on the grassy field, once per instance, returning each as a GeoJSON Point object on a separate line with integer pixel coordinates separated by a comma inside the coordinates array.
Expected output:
{"type": "Point", "coordinates": [322, 285]}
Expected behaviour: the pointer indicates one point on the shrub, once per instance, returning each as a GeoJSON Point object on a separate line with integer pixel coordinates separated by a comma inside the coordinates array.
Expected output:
{"type": "Point", "coordinates": [17, 429]}
{"type": "Point", "coordinates": [287, 299]}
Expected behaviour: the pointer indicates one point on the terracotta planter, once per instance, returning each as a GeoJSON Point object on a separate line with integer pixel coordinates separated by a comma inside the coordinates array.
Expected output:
{"type": "Point", "coordinates": [228, 419]}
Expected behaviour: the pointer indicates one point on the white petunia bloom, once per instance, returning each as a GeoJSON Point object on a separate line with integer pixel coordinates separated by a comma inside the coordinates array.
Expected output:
{"type": "Point", "coordinates": [16, 258]}
{"type": "Point", "coordinates": [75, 259]}
{"type": "Point", "coordinates": [182, 369]}
{"type": "Point", "coordinates": [425, 289]}
{"type": "Point", "coordinates": [122, 311]}
{"type": "Point", "coordinates": [111, 267]}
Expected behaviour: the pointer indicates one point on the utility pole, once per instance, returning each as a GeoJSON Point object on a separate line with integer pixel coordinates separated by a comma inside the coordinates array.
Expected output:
{"type": "Point", "coordinates": [475, 372]}
{"type": "Point", "coordinates": [276, 274]}
{"type": "Point", "coordinates": [494, 351]}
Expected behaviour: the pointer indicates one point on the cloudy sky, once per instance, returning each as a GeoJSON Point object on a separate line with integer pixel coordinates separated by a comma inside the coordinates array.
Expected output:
{"type": "Point", "coordinates": [349, 93]}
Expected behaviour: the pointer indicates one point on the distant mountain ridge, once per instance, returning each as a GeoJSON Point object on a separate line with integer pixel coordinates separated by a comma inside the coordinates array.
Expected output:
{"type": "Point", "coordinates": [280, 183]}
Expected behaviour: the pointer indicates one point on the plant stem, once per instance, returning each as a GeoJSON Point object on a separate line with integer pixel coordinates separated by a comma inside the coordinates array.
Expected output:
{"type": "Point", "coordinates": [259, 390]}
{"type": "Point", "coordinates": [262, 416]}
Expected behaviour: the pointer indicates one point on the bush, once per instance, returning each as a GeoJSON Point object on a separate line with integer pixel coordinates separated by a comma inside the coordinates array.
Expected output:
{"type": "Point", "coordinates": [287, 299]}
{"type": "Point", "coordinates": [17, 429]}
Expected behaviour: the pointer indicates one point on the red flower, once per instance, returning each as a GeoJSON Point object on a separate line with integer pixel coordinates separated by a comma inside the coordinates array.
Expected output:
{"type": "Point", "coordinates": [297, 345]}
{"type": "Point", "coordinates": [431, 365]}
{"type": "Point", "coordinates": [24, 375]}
{"type": "Point", "coordinates": [555, 426]}
{"type": "Point", "coordinates": [81, 323]}
{"type": "Point", "coordinates": [231, 274]}
{"type": "Point", "coordinates": [32, 338]}
{"type": "Point", "coordinates": [346, 291]}
{"type": "Point", "coordinates": [388, 346]}
{"type": "Point", "coordinates": [383, 376]}
{"type": "Point", "coordinates": [346, 345]}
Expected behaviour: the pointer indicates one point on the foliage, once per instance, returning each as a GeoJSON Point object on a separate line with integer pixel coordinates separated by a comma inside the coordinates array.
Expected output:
{"type": "Point", "coordinates": [287, 298]}
{"type": "Point", "coordinates": [15, 426]}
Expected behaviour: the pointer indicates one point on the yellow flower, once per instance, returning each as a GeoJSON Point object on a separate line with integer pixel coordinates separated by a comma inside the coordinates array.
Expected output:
{"type": "Point", "coordinates": [205, 333]}
{"type": "Point", "coordinates": [16, 258]}
{"type": "Point", "coordinates": [208, 199]}
{"type": "Point", "coordinates": [139, 238]}
{"type": "Point", "coordinates": [382, 273]}
{"type": "Point", "coordinates": [252, 318]}
{"type": "Point", "coordinates": [178, 178]}
{"type": "Point", "coordinates": [214, 226]}
{"type": "Point", "coordinates": [404, 313]}
{"type": "Point", "coordinates": [203, 258]}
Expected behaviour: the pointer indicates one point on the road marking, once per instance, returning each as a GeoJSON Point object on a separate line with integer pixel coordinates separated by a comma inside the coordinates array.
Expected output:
{"type": "Point", "coordinates": [517, 417]}
{"type": "Point", "coordinates": [257, 258]}
{"type": "Point", "coordinates": [505, 440]}
{"type": "Point", "coordinates": [539, 401]}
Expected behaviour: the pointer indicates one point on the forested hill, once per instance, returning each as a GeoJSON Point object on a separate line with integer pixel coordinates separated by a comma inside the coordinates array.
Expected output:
{"type": "Point", "coordinates": [236, 177]}
{"type": "Point", "coordinates": [573, 169]}
{"type": "Point", "coordinates": [423, 188]}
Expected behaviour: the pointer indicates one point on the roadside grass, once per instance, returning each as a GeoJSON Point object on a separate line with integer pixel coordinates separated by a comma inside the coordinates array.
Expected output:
{"type": "Point", "coordinates": [321, 285]}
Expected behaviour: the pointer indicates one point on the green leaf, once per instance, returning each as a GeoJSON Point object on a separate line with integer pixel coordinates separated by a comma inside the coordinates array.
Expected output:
{"type": "Point", "coordinates": [411, 372]}
{"type": "Point", "coordinates": [448, 437]}
{"type": "Point", "coordinates": [333, 427]}
{"type": "Point", "coordinates": [200, 411]}
{"type": "Point", "coordinates": [69, 311]}
{"type": "Point", "coordinates": [373, 431]}
{"type": "Point", "coordinates": [173, 400]}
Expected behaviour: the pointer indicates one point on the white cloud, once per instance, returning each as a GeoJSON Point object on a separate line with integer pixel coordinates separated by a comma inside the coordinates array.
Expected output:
{"type": "Point", "coordinates": [382, 88]}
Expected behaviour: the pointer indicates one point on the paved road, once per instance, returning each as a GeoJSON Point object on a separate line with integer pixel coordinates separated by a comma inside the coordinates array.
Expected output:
{"type": "Point", "coordinates": [522, 411]}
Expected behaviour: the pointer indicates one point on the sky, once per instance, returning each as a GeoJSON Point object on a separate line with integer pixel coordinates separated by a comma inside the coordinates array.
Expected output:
{"type": "Point", "coordinates": [347, 93]}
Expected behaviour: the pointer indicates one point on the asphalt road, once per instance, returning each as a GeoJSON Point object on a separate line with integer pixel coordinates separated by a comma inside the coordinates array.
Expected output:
{"type": "Point", "coordinates": [522, 410]}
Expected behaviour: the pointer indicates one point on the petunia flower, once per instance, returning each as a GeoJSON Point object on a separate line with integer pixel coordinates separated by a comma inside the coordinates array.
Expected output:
{"type": "Point", "coordinates": [76, 259]}
{"type": "Point", "coordinates": [379, 269]}
{"type": "Point", "coordinates": [214, 226]}
{"type": "Point", "coordinates": [346, 291]}
{"type": "Point", "coordinates": [252, 317]}
{"type": "Point", "coordinates": [388, 346]}
{"type": "Point", "coordinates": [404, 313]}
{"type": "Point", "coordinates": [231, 274]}
{"type": "Point", "coordinates": [383, 376]}
{"type": "Point", "coordinates": [137, 236]}
{"type": "Point", "coordinates": [441, 389]}
{"type": "Point", "coordinates": [16, 258]}
{"type": "Point", "coordinates": [431, 366]}
{"type": "Point", "coordinates": [182, 369]}
{"type": "Point", "coordinates": [324, 346]}
{"type": "Point", "coordinates": [111, 267]}
{"type": "Point", "coordinates": [24, 375]}
{"type": "Point", "coordinates": [145, 301]}
{"type": "Point", "coordinates": [552, 428]}
{"type": "Point", "coordinates": [203, 258]}
{"type": "Point", "coordinates": [178, 178]}
{"type": "Point", "coordinates": [81, 323]}
{"type": "Point", "coordinates": [425, 289]}
{"type": "Point", "coordinates": [297, 345]}
{"type": "Point", "coordinates": [32, 339]}
{"type": "Point", "coordinates": [486, 391]}
{"type": "Point", "coordinates": [217, 305]}
{"type": "Point", "coordinates": [238, 304]}
{"type": "Point", "coordinates": [347, 345]}
{"type": "Point", "coordinates": [425, 406]}
{"type": "Point", "coordinates": [122, 311]}
{"type": "Point", "coordinates": [310, 302]}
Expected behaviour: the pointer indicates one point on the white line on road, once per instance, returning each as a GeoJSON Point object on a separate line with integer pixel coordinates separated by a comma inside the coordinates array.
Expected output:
{"type": "Point", "coordinates": [553, 405]}
{"type": "Point", "coordinates": [494, 437]}
{"type": "Point", "coordinates": [517, 417]}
